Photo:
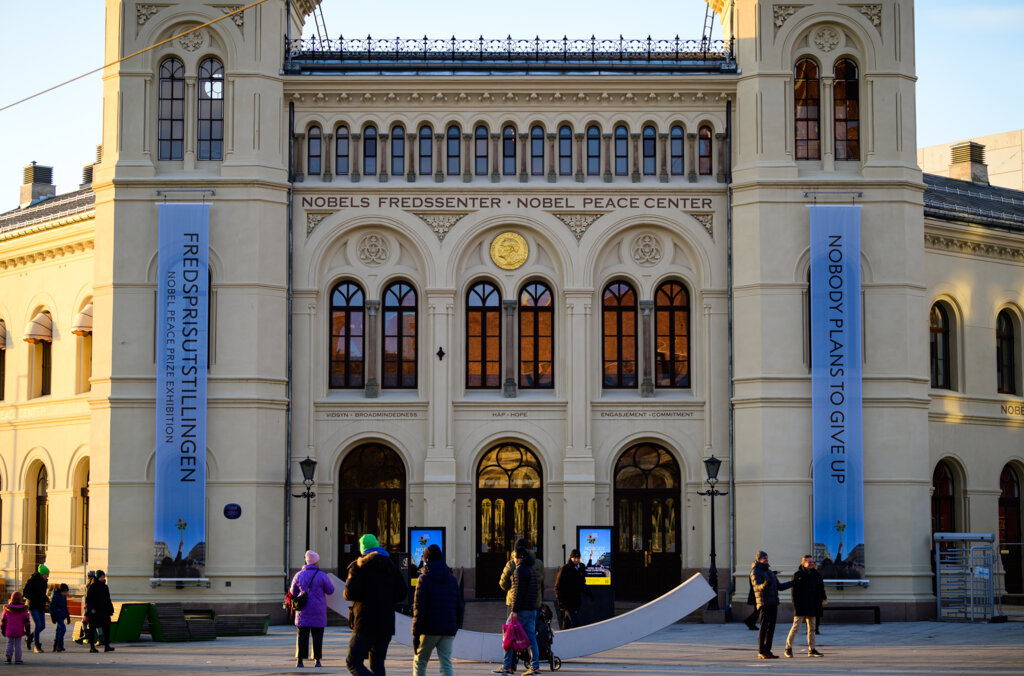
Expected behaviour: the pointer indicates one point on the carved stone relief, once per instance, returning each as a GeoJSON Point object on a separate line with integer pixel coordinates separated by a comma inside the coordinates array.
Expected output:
{"type": "Point", "coordinates": [237, 19]}
{"type": "Point", "coordinates": [144, 13]}
{"type": "Point", "coordinates": [193, 41]}
{"type": "Point", "coordinates": [873, 13]}
{"type": "Point", "coordinates": [313, 220]}
{"type": "Point", "coordinates": [578, 223]}
{"type": "Point", "coordinates": [977, 248]}
{"type": "Point", "coordinates": [647, 250]}
{"type": "Point", "coordinates": [826, 38]}
{"type": "Point", "coordinates": [780, 13]}
{"type": "Point", "coordinates": [707, 220]}
{"type": "Point", "coordinates": [374, 250]}
{"type": "Point", "coordinates": [440, 223]}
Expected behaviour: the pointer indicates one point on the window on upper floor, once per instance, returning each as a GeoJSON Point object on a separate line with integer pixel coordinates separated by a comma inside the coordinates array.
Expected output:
{"type": "Point", "coordinates": [1006, 349]}
{"type": "Point", "coordinates": [369, 150]}
{"type": "Point", "coordinates": [508, 151]}
{"type": "Point", "coordinates": [39, 334]}
{"type": "Point", "coordinates": [940, 332]}
{"type": "Point", "coordinates": [483, 336]}
{"type": "Point", "coordinates": [426, 150]}
{"type": "Point", "coordinates": [400, 324]}
{"type": "Point", "coordinates": [619, 336]}
{"type": "Point", "coordinates": [676, 141]}
{"type": "Point", "coordinates": [454, 150]}
{"type": "Point", "coordinates": [211, 110]}
{"type": "Point", "coordinates": [672, 335]}
{"type": "Point", "coordinates": [480, 150]}
{"type": "Point", "coordinates": [943, 502]}
{"type": "Point", "coordinates": [83, 329]}
{"type": "Point", "coordinates": [536, 336]}
{"type": "Point", "coordinates": [341, 151]}
{"type": "Point", "coordinates": [397, 151]}
{"type": "Point", "coordinates": [593, 150]}
{"type": "Point", "coordinates": [314, 151]}
{"type": "Point", "coordinates": [621, 150]}
{"type": "Point", "coordinates": [649, 139]}
{"type": "Point", "coordinates": [347, 336]}
{"type": "Point", "coordinates": [807, 110]}
{"type": "Point", "coordinates": [565, 150]}
{"type": "Point", "coordinates": [3, 358]}
{"type": "Point", "coordinates": [846, 98]}
{"type": "Point", "coordinates": [537, 150]}
{"type": "Point", "coordinates": [704, 150]}
{"type": "Point", "coordinates": [171, 110]}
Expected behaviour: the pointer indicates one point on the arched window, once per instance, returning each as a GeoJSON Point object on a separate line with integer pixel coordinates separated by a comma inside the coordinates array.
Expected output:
{"type": "Point", "coordinates": [42, 514]}
{"type": "Point", "coordinates": [211, 110]}
{"type": "Point", "coordinates": [1006, 347]}
{"type": "Point", "coordinates": [314, 150]}
{"type": "Point", "coordinates": [369, 150]}
{"type": "Point", "coordinates": [3, 357]}
{"type": "Point", "coordinates": [1009, 528]}
{"type": "Point", "coordinates": [943, 489]}
{"type": "Point", "coordinates": [508, 151]}
{"type": "Point", "coordinates": [846, 95]}
{"type": "Point", "coordinates": [537, 150]}
{"type": "Point", "coordinates": [940, 334]}
{"type": "Point", "coordinates": [593, 151]}
{"type": "Point", "coordinates": [399, 336]}
{"type": "Point", "coordinates": [454, 152]}
{"type": "Point", "coordinates": [672, 335]}
{"type": "Point", "coordinates": [397, 151]}
{"type": "Point", "coordinates": [536, 336]}
{"type": "Point", "coordinates": [619, 335]}
{"type": "Point", "coordinates": [371, 499]}
{"type": "Point", "coordinates": [806, 108]}
{"type": "Point", "coordinates": [483, 336]}
{"type": "Point", "coordinates": [480, 150]}
{"type": "Point", "coordinates": [171, 110]}
{"type": "Point", "coordinates": [676, 140]}
{"type": "Point", "coordinates": [565, 150]}
{"type": "Point", "coordinates": [649, 140]}
{"type": "Point", "coordinates": [426, 150]}
{"type": "Point", "coordinates": [80, 505]}
{"type": "Point", "coordinates": [704, 150]}
{"type": "Point", "coordinates": [621, 151]}
{"type": "Point", "coordinates": [341, 151]}
{"type": "Point", "coordinates": [347, 332]}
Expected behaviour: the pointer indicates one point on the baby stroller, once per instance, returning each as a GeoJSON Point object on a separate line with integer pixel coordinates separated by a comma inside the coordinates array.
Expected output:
{"type": "Point", "coordinates": [545, 638]}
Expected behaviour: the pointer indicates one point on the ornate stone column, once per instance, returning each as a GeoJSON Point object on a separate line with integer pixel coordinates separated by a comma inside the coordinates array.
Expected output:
{"type": "Point", "coordinates": [827, 129]}
{"type": "Point", "coordinates": [439, 158]}
{"type": "Point", "coordinates": [663, 157]}
{"type": "Point", "coordinates": [372, 387]}
{"type": "Point", "coordinates": [382, 158]}
{"type": "Point", "coordinates": [691, 157]}
{"type": "Point", "coordinates": [722, 159]}
{"type": "Point", "coordinates": [412, 140]}
{"type": "Point", "coordinates": [646, 339]}
{"type": "Point", "coordinates": [495, 159]}
{"type": "Point", "coordinates": [552, 157]}
{"type": "Point", "coordinates": [189, 156]}
{"type": "Point", "coordinates": [607, 138]}
{"type": "Point", "coordinates": [509, 357]}
{"type": "Point", "coordinates": [636, 157]}
{"type": "Point", "coordinates": [524, 159]}
{"type": "Point", "coordinates": [354, 146]}
{"type": "Point", "coordinates": [467, 158]}
{"type": "Point", "coordinates": [579, 157]}
{"type": "Point", "coordinates": [300, 144]}
{"type": "Point", "coordinates": [327, 157]}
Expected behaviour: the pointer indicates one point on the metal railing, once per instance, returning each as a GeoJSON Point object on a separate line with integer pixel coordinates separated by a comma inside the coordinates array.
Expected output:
{"type": "Point", "coordinates": [69, 564]}
{"type": "Point", "coordinates": [535, 50]}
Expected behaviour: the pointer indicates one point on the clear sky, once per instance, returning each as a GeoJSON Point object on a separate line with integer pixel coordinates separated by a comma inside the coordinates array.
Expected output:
{"type": "Point", "coordinates": [970, 61]}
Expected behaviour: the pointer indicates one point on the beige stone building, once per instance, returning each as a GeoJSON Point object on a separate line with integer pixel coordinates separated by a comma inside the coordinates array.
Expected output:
{"type": "Point", "coordinates": [1002, 155]}
{"type": "Point", "coordinates": [508, 288]}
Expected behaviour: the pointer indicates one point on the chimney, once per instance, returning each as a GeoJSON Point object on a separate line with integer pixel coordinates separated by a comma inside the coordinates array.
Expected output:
{"type": "Point", "coordinates": [38, 184]}
{"type": "Point", "coordinates": [968, 162]}
{"type": "Point", "coordinates": [86, 176]}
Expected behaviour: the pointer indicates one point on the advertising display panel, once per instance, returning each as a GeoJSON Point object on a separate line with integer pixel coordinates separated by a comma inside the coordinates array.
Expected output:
{"type": "Point", "coordinates": [595, 545]}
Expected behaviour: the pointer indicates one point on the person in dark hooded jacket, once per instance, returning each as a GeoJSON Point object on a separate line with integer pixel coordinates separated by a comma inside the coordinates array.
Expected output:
{"type": "Point", "coordinates": [766, 591]}
{"type": "Point", "coordinates": [524, 602]}
{"type": "Point", "coordinates": [374, 586]}
{"type": "Point", "coordinates": [437, 611]}
{"type": "Point", "coordinates": [570, 586]}
{"type": "Point", "coordinates": [97, 600]}
{"type": "Point", "coordinates": [34, 594]}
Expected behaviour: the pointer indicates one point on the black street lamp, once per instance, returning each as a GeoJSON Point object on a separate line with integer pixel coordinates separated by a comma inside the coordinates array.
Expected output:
{"type": "Point", "coordinates": [711, 465]}
{"type": "Point", "coordinates": [308, 467]}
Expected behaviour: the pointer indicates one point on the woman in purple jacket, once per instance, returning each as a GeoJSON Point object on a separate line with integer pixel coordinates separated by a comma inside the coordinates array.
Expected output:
{"type": "Point", "coordinates": [313, 617]}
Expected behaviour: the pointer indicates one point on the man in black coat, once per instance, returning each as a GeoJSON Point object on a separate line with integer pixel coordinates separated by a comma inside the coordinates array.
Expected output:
{"type": "Point", "coordinates": [437, 610]}
{"type": "Point", "coordinates": [766, 592]}
{"type": "Point", "coordinates": [35, 598]}
{"type": "Point", "coordinates": [570, 586]}
{"type": "Point", "coordinates": [374, 586]}
{"type": "Point", "coordinates": [97, 600]}
{"type": "Point", "coordinates": [808, 595]}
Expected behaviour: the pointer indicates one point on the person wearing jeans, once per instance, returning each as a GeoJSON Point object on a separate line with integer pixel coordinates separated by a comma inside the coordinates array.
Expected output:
{"type": "Point", "coordinates": [437, 611]}
{"type": "Point", "coordinates": [524, 609]}
{"type": "Point", "coordinates": [34, 594]}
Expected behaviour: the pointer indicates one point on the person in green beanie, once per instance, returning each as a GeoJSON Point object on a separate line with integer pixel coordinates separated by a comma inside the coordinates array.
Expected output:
{"type": "Point", "coordinates": [374, 586]}
{"type": "Point", "coordinates": [35, 596]}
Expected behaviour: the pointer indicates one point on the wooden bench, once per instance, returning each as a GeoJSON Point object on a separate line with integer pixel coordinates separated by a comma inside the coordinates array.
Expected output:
{"type": "Point", "coordinates": [877, 610]}
{"type": "Point", "coordinates": [241, 625]}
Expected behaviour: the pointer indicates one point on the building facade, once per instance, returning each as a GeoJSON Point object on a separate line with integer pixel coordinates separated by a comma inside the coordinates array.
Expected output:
{"type": "Point", "coordinates": [508, 289]}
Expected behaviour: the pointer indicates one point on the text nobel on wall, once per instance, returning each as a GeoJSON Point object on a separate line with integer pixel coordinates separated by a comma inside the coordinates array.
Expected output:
{"type": "Point", "coordinates": [179, 526]}
{"type": "Point", "coordinates": [836, 410]}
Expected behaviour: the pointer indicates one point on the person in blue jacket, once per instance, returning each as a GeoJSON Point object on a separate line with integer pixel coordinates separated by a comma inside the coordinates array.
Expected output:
{"type": "Point", "coordinates": [60, 616]}
{"type": "Point", "coordinates": [437, 611]}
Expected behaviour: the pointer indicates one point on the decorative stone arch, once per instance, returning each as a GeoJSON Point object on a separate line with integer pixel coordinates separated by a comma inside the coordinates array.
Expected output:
{"type": "Point", "coordinates": [856, 37]}
{"type": "Point", "coordinates": [171, 21]}
{"type": "Point", "coordinates": [955, 499]}
{"type": "Point", "coordinates": [335, 241]}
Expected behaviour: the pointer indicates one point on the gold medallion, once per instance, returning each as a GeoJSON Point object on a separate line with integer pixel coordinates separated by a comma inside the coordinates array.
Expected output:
{"type": "Point", "coordinates": [509, 251]}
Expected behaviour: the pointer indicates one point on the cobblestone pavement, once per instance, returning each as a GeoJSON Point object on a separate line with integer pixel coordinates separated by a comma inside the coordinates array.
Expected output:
{"type": "Point", "coordinates": [925, 648]}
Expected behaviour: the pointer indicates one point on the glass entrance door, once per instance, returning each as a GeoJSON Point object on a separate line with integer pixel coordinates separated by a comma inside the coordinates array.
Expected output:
{"type": "Point", "coordinates": [647, 536]}
{"type": "Point", "coordinates": [508, 506]}
{"type": "Point", "coordinates": [371, 500]}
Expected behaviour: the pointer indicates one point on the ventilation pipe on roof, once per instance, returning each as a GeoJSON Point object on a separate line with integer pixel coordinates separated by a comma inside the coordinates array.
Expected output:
{"type": "Point", "coordinates": [968, 162]}
{"type": "Point", "coordinates": [37, 186]}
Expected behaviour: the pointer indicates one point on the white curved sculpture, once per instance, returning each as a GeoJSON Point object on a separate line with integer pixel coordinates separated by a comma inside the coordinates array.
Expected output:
{"type": "Point", "coordinates": [594, 638]}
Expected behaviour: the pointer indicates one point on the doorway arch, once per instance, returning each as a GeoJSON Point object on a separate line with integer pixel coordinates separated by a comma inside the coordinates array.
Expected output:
{"type": "Point", "coordinates": [509, 506]}
{"type": "Point", "coordinates": [41, 517]}
{"type": "Point", "coordinates": [371, 499]}
{"type": "Point", "coordinates": [647, 536]}
{"type": "Point", "coordinates": [1009, 528]}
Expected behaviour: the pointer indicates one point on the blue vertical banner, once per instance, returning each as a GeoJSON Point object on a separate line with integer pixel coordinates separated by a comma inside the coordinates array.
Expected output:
{"type": "Point", "coordinates": [182, 325]}
{"type": "Point", "coordinates": [836, 409]}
